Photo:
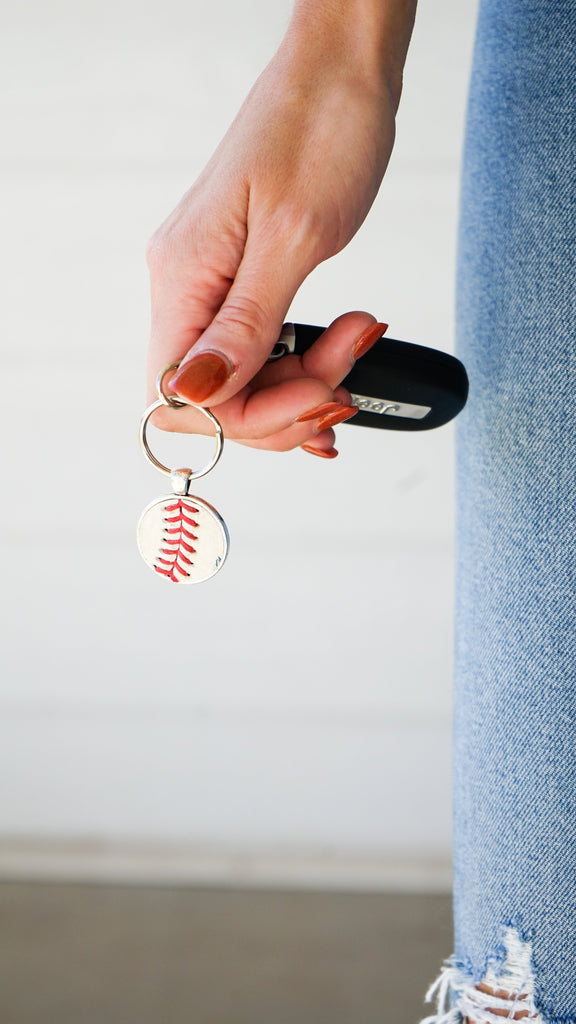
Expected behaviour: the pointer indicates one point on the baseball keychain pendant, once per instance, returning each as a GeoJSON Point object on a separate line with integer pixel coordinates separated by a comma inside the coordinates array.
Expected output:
{"type": "Point", "coordinates": [180, 536]}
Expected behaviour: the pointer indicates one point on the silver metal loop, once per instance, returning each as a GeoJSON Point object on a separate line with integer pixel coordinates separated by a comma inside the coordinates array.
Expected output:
{"type": "Point", "coordinates": [170, 400]}
{"type": "Point", "coordinates": [278, 352]}
{"type": "Point", "coordinates": [150, 455]}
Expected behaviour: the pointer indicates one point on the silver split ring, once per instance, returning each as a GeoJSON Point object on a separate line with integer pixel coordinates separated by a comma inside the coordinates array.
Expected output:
{"type": "Point", "coordinates": [171, 400]}
{"type": "Point", "coordinates": [165, 400]}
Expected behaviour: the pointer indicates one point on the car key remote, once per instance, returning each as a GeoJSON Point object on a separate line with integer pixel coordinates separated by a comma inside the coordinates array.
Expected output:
{"type": "Point", "coordinates": [396, 385]}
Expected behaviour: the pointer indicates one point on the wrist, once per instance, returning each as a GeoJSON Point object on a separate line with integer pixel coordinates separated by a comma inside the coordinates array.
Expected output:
{"type": "Point", "coordinates": [367, 38]}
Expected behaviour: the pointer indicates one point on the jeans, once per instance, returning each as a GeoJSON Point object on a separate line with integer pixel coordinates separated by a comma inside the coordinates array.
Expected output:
{"type": "Point", "coordinates": [515, 658]}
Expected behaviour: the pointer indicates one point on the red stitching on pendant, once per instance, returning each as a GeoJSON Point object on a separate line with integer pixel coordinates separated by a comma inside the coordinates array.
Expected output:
{"type": "Point", "coordinates": [177, 561]}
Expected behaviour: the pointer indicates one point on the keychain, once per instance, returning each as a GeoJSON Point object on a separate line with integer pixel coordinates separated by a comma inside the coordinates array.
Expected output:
{"type": "Point", "coordinates": [181, 537]}
{"type": "Point", "coordinates": [396, 385]}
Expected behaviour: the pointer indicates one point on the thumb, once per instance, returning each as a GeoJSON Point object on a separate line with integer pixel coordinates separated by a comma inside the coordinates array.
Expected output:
{"type": "Point", "coordinates": [244, 331]}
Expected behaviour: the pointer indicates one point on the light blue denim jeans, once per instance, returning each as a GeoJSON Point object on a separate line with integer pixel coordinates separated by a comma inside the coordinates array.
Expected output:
{"type": "Point", "coordinates": [515, 668]}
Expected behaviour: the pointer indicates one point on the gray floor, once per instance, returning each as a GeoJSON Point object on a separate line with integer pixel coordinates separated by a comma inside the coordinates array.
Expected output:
{"type": "Point", "coordinates": [74, 954]}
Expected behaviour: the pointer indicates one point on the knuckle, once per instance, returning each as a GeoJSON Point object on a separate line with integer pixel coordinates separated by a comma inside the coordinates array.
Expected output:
{"type": "Point", "coordinates": [164, 246]}
{"type": "Point", "coordinates": [243, 317]}
{"type": "Point", "coordinates": [156, 250]}
{"type": "Point", "coordinates": [306, 229]}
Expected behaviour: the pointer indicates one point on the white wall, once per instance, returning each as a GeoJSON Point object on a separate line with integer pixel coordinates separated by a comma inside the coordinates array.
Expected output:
{"type": "Point", "coordinates": [297, 705]}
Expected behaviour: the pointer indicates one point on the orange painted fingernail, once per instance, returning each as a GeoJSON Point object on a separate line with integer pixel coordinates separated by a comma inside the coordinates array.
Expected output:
{"type": "Point", "coordinates": [330, 454]}
{"type": "Point", "coordinates": [337, 417]}
{"type": "Point", "coordinates": [368, 338]}
{"type": "Point", "coordinates": [319, 410]}
{"type": "Point", "coordinates": [201, 376]}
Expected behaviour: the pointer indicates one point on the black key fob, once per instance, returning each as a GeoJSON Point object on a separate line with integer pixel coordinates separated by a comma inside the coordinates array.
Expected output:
{"type": "Point", "coordinates": [397, 385]}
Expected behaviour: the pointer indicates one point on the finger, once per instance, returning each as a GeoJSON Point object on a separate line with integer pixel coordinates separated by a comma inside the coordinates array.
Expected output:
{"type": "Point", "coordinates": [242, 334]}
{"type": "Point", "coordinates": [335, 352]}
{"type": "Point", "coordinates": [288, 440]}
{"type": "Point", "coordinates": [290, 368]}
{"type": "Point", "coordinates": [323, 451]}
{"type": "Point", "coordinates": [332, 356]}
{"type": "Point", "coordinates": [258, 414]}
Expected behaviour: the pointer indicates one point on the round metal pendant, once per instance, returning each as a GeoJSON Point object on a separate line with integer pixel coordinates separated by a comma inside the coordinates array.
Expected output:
{"type": "Point", "coordinates": [183, 538]}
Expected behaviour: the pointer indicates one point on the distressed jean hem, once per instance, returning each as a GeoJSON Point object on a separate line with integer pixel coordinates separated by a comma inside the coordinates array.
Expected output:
{"type": "Point", "coordinates": [508, 968]}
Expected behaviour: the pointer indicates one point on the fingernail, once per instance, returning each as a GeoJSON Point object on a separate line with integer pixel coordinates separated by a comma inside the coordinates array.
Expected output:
{"type": "Point", "coordinates": [330, 454]}
{"type": "Point", "coordinates": [368, 338]}
{"type": "Point", "coordinates": [337, 417]}
{"type": "Point", "coordinates": [319, 410]}
{"type": "Point", "coordinates": [201, 376]}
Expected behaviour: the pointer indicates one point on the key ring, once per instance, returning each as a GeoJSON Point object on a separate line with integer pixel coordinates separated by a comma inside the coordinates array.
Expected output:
{"type": "Point", "coordinates": [171, 400]}
{"type": "Point", "coordinates": [177, 403]}
{"type": "Point", "coordinates": [181, 537]}
{"type": "Point", "coordinates": [192, 475]}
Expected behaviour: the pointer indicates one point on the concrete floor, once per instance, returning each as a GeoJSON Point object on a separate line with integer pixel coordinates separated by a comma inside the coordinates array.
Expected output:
{"type": "Point", "coordinates": [72, 954]}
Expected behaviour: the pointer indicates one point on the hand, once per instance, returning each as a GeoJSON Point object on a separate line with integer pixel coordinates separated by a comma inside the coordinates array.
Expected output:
{"type": "Point", "coordinates": [287, 188]}
{"type": "Point", "coordinates": [310, 381]}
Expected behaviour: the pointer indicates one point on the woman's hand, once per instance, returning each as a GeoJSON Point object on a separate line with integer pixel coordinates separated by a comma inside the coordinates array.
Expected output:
{"type": "Point", "coordinates": [287, 188]}
{"type": "Point", "coordinates": [264, 414]}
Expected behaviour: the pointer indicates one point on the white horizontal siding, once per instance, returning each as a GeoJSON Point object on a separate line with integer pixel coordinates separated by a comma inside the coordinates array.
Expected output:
{"type": "Point", "coordinates": [300, 701]}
